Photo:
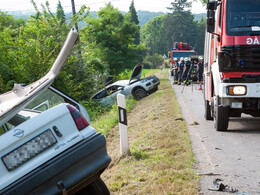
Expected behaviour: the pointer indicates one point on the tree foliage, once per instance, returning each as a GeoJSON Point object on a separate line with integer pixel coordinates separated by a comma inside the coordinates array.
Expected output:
{"type": "Point", "coordinates": [151, 35]}
{"type": "Point", "coordinates": [134, 18]}
{"type": "Point", "coordinates": [29, 48]}
{"type": "Point", "coordinates": [177, 26]}
{"type": "Point", "coordinates": [110, 36]}
{"type": "Point", "coordinates": [60, 13]}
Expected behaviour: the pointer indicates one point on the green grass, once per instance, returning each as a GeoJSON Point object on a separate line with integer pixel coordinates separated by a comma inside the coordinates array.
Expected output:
{"type": "Point", "coordinates": [149, 72]}
{"type": "Point", "coordinates": [109, 119]}
{"type": "Point", "coordinates": [161, 159]}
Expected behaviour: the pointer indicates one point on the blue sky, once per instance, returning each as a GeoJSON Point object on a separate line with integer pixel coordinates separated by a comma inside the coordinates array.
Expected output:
{"type": "Point", "coordinates": [123, 5]}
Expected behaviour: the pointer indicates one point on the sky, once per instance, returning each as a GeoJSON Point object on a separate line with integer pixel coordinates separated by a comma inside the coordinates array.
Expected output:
{"type": "Point", "coordinates": [122, 5]}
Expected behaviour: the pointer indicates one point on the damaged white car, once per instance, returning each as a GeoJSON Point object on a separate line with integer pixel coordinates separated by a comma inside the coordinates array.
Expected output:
{"type": "Point", "coordinates": [47, 145]}
{"type": "Point", "coordinates": [137, 87]}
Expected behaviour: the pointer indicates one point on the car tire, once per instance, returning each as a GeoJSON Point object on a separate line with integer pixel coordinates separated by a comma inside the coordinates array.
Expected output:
{"type": "Point", "coordinates": [139, 93]}
{"type": "Point", "coordinates": [97, 187]}
{"type": "Point", "coordinates": [221, 117]}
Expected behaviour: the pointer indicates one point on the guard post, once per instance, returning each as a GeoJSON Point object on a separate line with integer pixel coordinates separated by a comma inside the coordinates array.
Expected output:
{"type": "Point", "coordinates": [124, 145]}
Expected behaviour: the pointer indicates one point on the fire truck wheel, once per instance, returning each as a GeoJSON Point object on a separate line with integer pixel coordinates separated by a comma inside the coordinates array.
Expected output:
{"type": "Point", "coordinates": [207, 114]}
{"type": "Point", "coordinates": [221, 117]}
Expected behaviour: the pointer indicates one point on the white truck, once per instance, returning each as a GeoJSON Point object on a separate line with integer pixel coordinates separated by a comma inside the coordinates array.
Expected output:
{"type": "Point", "coordinates": [47, 144]}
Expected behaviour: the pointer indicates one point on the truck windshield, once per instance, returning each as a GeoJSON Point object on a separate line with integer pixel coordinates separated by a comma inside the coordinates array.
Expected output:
{"type": "Point", "coordinates": [243, 17]}
{"type": "Point", "coordinates": [181, 54]}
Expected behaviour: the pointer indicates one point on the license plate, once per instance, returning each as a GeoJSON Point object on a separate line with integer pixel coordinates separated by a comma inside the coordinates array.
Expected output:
{"type": "Point", "coordinates": [236, 105]}
{"type": "Point", "coordinates": [29, 150]}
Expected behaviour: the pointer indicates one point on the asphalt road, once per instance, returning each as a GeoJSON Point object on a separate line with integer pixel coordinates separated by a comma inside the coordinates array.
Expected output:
{"type": "Point", "coordinates": [232, 156]}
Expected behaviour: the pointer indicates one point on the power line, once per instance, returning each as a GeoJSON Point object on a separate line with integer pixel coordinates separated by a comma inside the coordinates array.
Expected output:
{"type": "Point", "coordinates": [67, 6]}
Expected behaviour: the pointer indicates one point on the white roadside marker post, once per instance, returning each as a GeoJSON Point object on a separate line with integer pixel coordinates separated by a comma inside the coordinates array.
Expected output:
{"type": "Point", "coordinates": [124, 145]}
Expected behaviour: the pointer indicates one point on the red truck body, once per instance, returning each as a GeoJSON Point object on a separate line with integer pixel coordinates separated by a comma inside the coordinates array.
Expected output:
{"type": "Point", "coordinates": [232, 60]}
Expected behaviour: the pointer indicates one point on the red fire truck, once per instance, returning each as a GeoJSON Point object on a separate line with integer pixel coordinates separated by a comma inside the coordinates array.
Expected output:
{"type": "Point", "coordinates": [181, 50]}
{"type": "Point", "coordinates": [232, 60]}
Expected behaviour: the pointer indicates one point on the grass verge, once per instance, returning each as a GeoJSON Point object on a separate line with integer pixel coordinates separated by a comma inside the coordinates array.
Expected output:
{"type": "Point", "coordinates": [161, 158]}
{"type": "Point", "coordinates": [108, 120]}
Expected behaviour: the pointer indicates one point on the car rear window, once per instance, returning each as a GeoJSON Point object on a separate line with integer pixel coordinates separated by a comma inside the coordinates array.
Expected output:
{"type": "Point", "coordinates": [43, 102]}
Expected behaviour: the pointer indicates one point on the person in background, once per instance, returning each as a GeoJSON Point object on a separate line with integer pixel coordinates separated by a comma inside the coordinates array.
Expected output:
{"type": "Point", "coordinates": [175, 71]}
{"type": "Point", "coordinates": [200, 72]}
{"type": "Point", "coordinates": [200, 69]}
{"type": "Point", "coordinates": [186, 75]}
{"type": "Point", "coordinates": [181, 67]}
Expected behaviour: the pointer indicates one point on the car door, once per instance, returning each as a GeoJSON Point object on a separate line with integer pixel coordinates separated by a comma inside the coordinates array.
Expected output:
{"type": "Point", "coordinates": [112, 92]}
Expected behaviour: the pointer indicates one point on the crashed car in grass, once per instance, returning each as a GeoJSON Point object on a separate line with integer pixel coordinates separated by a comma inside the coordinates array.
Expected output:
{"type": "Point", "coordinates": [47, 145]}
{"type": "Point", "coordinates": [137, 87]}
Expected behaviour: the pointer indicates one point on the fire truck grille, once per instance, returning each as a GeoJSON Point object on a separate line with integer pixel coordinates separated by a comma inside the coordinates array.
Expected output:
{"type": "Point", "coordinates": [244, 57]}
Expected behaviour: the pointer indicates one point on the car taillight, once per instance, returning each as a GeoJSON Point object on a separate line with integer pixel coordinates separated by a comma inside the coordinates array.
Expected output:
{"type": "Point", "coordinates": [78, 118]}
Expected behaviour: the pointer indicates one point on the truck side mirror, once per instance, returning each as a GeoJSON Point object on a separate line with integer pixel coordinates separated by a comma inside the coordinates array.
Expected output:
{"type": "Point", "coordinates": [211, 7]}
{"type": "Point", "coordinates": [210, 21]}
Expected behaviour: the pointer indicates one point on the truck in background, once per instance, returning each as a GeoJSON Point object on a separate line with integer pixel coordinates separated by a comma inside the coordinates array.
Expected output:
{"type": "Point", "coordinates": [232, 61]}
{"type": "Point", "coordinates": [181, 49]}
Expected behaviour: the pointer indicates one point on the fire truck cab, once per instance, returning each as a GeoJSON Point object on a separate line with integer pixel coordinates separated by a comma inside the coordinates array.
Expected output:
{"type": "Point", "coordinates": [232, 60]}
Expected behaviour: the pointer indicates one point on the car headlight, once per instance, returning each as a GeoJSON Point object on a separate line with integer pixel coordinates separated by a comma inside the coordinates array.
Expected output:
{"type": "Point", "coordinates": [145, 79]}
{"type": "Point", "coordinates": [236, 90]}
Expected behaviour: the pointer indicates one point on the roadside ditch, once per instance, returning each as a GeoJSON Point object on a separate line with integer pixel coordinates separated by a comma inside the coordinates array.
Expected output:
{"type": "Point", "coordinates": [160, 159]}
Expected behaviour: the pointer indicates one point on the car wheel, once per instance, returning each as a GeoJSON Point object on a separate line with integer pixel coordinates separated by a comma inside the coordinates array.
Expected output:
{"type": "Point", "coordinates": [97, 187]}
{"type": "Point", "coordinates": [139, 93]}
{"type": "Point", "coordinates": [221, 117]}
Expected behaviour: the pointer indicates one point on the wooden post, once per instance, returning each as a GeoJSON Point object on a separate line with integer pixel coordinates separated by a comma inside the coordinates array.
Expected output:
{"type": "Point", "coordinates": [124, 145]}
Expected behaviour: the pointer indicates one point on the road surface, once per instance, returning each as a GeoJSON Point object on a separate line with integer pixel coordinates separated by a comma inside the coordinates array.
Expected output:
{"type": "Point", "coordinates": [233, 156]}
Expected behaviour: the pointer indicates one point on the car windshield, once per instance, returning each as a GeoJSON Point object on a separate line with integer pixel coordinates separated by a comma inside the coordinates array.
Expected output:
{"type": "Point", "coordinates": [243, 17]}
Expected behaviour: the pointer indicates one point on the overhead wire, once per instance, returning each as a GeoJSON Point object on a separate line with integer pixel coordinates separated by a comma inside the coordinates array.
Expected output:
{"type": "Point", "coordinates": [66, 6]}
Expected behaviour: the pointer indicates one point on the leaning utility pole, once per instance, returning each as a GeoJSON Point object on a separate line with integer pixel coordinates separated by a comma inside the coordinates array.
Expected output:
{"type": "Point", "coordinates": [74, 12]}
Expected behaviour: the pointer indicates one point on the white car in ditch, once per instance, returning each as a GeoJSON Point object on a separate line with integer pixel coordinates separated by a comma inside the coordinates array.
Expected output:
{"type": "Point", "coordinates": [137, 87]}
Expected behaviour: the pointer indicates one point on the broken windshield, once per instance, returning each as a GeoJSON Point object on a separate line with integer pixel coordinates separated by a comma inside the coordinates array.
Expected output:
{"type": "Point", "coordinates": [243, 17]}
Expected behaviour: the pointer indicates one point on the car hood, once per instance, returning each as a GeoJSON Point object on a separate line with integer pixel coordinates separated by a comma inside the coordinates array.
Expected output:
{"type": "Point", "coordinates": [137, 72]}
{"type": "Point", "coordinates": [15, 100]}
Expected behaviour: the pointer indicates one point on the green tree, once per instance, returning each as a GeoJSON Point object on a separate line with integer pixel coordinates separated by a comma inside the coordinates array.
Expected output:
{"type": "Point", "coordinates": [110, 36]}
{"type": "Point", "coordinates": [203, 1]}
{"type": "Point", "coordinates": [200, 38]}
{"type": "Point", "coordinates": [180, 6]}
{"type": "Point", "coordinates": [134, 18]}
{"type": "Point", "coordinates": [180, 25]}
{"type": "Point", "coordinates": [60, 13]}
{"type": "Point", "coordinates": [151, 35]}
{"type": "Point", "coordinates": [9, 30]}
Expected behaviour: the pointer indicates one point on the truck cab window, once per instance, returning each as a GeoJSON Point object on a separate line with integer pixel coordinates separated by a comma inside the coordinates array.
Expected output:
{"type": "Point", "coordinates": [241, 16]}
